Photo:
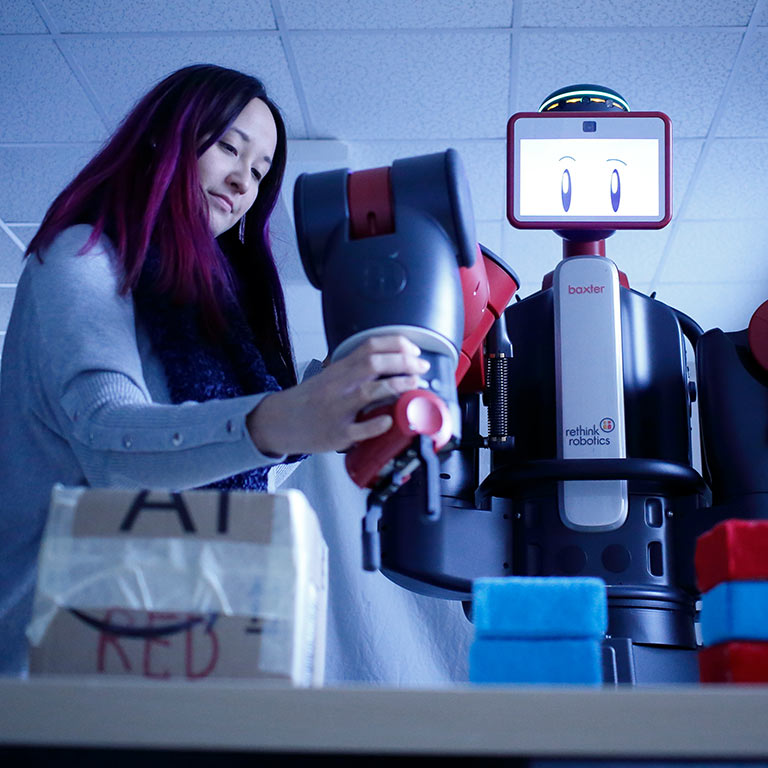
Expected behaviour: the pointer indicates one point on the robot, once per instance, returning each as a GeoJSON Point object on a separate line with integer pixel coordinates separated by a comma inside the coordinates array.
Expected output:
{"type": "Point", "coordinates": [732, 372]}
{"type": "Point", "coordinates": [588, 403]}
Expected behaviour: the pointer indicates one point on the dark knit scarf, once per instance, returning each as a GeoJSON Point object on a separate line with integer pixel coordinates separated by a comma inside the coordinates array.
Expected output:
{"type": "Point", "coordinates": [198, 369]}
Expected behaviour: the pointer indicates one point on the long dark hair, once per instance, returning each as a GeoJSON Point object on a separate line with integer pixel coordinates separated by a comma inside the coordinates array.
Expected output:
{"type": "Point", "coordinates": [142, 190]}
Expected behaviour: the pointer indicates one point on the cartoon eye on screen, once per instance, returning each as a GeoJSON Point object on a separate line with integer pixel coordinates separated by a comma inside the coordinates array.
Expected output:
{"type": "Point", "coordinates": [580, 170]}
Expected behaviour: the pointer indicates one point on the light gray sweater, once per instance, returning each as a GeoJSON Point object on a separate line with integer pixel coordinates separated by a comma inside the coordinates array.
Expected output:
{"type": "Point", "coordinates": [84, 401]}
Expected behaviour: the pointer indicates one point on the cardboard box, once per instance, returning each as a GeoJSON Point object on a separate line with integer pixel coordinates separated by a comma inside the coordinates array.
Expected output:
{"type": "Point", "coordinates": [190, 585]}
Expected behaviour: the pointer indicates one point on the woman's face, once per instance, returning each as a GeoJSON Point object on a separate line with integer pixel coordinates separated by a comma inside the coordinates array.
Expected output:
{"type": "Point", "coordinates": [232, 167]}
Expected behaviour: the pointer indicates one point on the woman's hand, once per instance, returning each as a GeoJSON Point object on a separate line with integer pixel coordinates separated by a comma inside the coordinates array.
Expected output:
{"type": "Point", "coordinates": [319, 414]}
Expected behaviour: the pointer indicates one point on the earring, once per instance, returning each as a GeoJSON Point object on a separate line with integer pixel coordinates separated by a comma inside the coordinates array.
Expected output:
{"type": "Point", "coordinates": [241, 232]}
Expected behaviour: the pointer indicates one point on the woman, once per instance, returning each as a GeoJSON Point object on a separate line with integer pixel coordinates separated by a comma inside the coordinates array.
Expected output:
{"type": "Point", "coordinates": [148, 344]}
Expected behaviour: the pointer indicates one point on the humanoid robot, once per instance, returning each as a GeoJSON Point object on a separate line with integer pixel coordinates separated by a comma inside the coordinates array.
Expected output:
{"type": "Point", "coordinates": [585, 382]}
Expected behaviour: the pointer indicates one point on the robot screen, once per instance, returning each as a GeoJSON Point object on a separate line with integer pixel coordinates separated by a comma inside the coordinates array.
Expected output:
{"type": "Point", "coordinates": [582, 169]}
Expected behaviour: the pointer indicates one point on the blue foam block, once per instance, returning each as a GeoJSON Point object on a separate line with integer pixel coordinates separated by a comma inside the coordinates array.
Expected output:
{"type": "Point", "coordinates": [735, 610]}
{"type": "Point", "coordinates": [553, 607]}
{"type": "Point", "coordinates": [529, 662]}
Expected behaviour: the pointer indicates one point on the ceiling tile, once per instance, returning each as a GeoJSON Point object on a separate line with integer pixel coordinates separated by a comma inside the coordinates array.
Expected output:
{"type": "Point", "coordinates": [33, 177]}
{"type": "Point", "coordinates": [630, 13]}
{"type": "Point", "coordinates": [486, 166]}
{"type": "Point", "coordinates": [733, 182]}
{"type": "Point", "coordinates": [122, 69]}
{"type": "Point", "coordinates": [680, 72]}
{"type": "Point", "coordinates": [11, 262]}
{"type": "Point", "coordinates": [311, 157]}
{"type": "Point", "coordinates": [703, 251]}
{"type": "Point", "coordinates": [728, 306]}
{"type": "Point", "coordinates": [745, 112]}
{"type": "Point", "coordinates": [38, 89]}
{"type": "Point", "coordinates": [637, 253]}
{"type": "Point", "coordinates": [406, 85]}
{"type": "Point", "coordinates": [151, 16]}
{"type": "Point", "coordinates": [685, 155]}
{"type": "Point", "coordinates": [489, 234]}
{"type": "Point", "coordinates": [396, 14]}
{"type": "Point", "coordinates": [6, 303]}
{"type": "Point", "coordinates": [531, 254]}
{"type": "Point", "coordinates": [317, 151]}
{"type": "Point", "coordinates": [21, 17]}
{"type": "Point", "coordinates": [375, 154]}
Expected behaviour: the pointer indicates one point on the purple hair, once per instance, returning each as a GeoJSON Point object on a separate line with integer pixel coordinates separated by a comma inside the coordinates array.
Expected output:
{"type": "Point", "coordinates": [142, 189]}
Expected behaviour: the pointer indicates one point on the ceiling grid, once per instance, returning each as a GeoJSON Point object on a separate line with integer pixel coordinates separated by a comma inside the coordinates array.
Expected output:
{"type": "Point", "coordinates": [363, 82]}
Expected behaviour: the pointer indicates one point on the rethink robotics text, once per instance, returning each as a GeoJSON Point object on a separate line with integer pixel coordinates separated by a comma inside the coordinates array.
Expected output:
{"type": "Point", "coordinates": [587, 436]}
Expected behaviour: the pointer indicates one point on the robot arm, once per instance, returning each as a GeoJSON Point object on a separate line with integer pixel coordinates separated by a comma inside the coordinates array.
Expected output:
{"type": "Point", "coordinates": [487, 286]}
{"type": "Point", "coordinates": [393, 250]}
{"type": "Point", "coordinates": [385, 247]}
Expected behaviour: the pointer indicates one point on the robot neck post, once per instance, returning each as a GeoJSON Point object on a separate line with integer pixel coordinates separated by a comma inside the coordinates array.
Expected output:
{"type": "Point", "coordinates": [583, 247]}
{"type": "Point", "coordinates": [583, 242]}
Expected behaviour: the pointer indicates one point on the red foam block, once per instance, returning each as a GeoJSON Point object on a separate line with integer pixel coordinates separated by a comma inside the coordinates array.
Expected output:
{"type": "Point", "coordinates": [736, 662]}
{"type": "Point", "coordinates": [734, 550]}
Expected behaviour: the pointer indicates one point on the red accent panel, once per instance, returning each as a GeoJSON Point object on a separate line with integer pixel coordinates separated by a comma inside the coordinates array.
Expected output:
{"type": "Point", "coordinates": [476, 291]}
{"type": "Point", "coordinates": [496, 289]}
{"type": "Point", "coordinates": [370, 203]}
{"type": "Point", "coordinates": [417, 412]}
{"type": "Point", "coordinates": [365, 460]}
{"type": "Point", "coordinates": [470, 374]}
{"type": "Point", "coordinates": [734, 550]}
{"type": "Point", "coordinates": [425, 414]}
{"type": "Point", "coordinates": [737, 662]}
{"type": "Point", "coordinates": [757, 335]}
{"type": "Point", "coordinates": [503, 287]}
{"type": "Point", "coordinates": [623, 280]}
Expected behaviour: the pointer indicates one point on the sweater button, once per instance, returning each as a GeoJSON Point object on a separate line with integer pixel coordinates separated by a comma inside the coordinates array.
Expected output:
{"type": "Point", "coordinates": [127, 442]}
{"type": "Point", "coordinates": [176, 439]}
{"type": "Point", "coordinates": [230, 426]}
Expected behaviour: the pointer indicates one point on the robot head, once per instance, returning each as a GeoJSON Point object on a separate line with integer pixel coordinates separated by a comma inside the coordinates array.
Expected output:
{"type": "Point", "coordinates": [584, 166]}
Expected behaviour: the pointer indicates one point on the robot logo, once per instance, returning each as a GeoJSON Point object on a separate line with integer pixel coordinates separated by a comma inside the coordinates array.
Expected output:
{"type": "Point", "coordinates": [383, 278]}
{"type": "Point", "coordinates": [607, 425]}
